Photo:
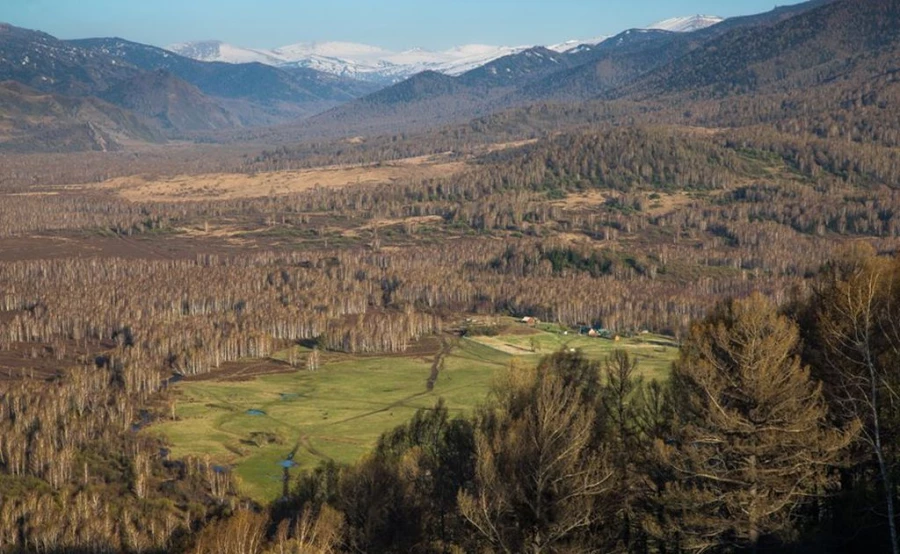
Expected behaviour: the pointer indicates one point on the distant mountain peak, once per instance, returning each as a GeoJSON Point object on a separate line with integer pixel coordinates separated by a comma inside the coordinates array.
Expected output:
{"type": "Point", "coordinates": [347, 59]}
{"type": "Point", "coordinates": [686, 24]}
{"type": "Point", "coordinates": [573, 44]}
{"type": "Point", "coordinates": [383, 66]}
{"type": "Point", "coordinates": [218, 51]}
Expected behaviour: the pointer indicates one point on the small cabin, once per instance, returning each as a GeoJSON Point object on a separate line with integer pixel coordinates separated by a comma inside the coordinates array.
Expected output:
{"type": "Point", "coordinates": [597, 332]}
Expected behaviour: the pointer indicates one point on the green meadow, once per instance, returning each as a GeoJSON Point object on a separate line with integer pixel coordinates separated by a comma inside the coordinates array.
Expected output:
{"type": "Point", "coordinates": [339, 411]}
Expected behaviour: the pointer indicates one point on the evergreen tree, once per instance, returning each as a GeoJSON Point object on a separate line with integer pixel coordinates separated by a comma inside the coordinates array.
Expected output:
{"type": "Point", "coordinates": [752, 435]}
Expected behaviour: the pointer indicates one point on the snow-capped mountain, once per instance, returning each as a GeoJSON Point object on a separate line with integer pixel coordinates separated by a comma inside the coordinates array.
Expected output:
{"type": "Point", "coordinates": [686, 24]}
{"type": "Point", "coordinates": [573, 44]}
{"type": "Point", "coordinates": [359, 61]}
{"type": "Point", "coordinates": [379, 65]}
{"type": "Point", "coordinates": [217, 51]}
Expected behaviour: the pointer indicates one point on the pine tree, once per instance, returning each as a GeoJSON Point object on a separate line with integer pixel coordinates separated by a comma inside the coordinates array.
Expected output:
{"type": "Point", "coordinates": [752, 436]}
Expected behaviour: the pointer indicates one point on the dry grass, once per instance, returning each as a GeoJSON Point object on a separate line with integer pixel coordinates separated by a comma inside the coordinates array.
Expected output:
{"type": "Point", "coordinates": [584, 200]}
{"type": "Point", "coordinates": [507, 145]}
{"type": "Point", "coordinates": [417, 220]}
{"type": "Point", "coordinates": [227, 186]}
{"type": "Point", "coordinates": [668, 203]}
{"type": "Point", "coordinates": [663, 204]}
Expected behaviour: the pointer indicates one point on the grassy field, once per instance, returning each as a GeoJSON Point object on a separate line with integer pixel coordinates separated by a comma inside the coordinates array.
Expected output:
{"type": "Point", "coordinates": [339, 411]}
{"type": "Point", "coordinates": [222, 186]}
{"type": "Point", "coordinates": [654, 353]}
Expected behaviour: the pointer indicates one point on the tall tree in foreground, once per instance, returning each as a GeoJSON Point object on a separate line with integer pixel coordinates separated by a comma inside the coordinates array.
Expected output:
{"type": "Point", "coordinates": [538, 482]}
{"type": "Point", "coordinates": [752, 437]}
{"type": "Point", "coordinates": [621, 432]}
{"type": "Point", "coordinates": [858, 332]}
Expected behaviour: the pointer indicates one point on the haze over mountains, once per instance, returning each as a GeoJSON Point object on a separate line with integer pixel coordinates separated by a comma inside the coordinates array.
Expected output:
{"type": "Point", "coordinates": [380, 65]}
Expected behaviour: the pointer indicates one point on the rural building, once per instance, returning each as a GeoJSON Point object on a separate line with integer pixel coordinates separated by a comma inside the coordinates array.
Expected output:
{"type": "Point", "coordinates": [596, 332]}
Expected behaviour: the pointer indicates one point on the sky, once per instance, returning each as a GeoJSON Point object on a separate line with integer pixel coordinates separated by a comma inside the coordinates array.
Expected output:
{"type": "Point", "coordinates": [393, 24]}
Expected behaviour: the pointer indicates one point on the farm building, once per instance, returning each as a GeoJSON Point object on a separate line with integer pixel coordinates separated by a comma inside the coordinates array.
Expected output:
{"type": "Point", "coordinates": [596, 332]}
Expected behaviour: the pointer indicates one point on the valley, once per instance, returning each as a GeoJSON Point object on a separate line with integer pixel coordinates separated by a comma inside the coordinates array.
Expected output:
{"type": "Point", "coordinates": [629, 294]}
{"type": "Point", "coordinates": [244, 418]}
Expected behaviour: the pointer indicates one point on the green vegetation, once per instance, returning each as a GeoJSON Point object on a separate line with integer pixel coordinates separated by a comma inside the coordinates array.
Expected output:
{"type": "Point", "coordinates": [654, 353]}
{"type": "Point", "coordinates": [335, 413]}
{"type": "Point", "coordinates": [338, 412]}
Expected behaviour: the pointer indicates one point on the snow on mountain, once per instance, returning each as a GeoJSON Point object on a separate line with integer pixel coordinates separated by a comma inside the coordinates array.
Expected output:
{"type": "Point", "coordinates": [686, 24]}
{"type": "Point", "coordinates": [340, 50]}
{"type": "Point", "coordinates": [454, 61]}
{"type": "Point", "coordinates": [217, 51]}
{"type": "Point", "coordinates": [371, 63]}
{"type": "Point", "coordinates": [349, 59]}
{"type": "Point", "coordinates": [573, 44]}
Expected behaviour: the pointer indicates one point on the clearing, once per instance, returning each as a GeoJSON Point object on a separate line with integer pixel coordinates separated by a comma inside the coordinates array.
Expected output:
{"type": "Point", "coordinates": [229, 186]}
{"type": "Point", "coordinates": [255, 420]}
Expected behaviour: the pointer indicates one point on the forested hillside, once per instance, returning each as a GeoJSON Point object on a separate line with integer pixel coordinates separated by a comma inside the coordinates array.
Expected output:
{"type": "Point", "coordinates": [198, 96]}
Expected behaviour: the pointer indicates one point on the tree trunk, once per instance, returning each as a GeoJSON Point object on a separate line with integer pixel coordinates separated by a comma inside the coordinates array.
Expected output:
{"type": "Point", "coordinates": [886, 480]}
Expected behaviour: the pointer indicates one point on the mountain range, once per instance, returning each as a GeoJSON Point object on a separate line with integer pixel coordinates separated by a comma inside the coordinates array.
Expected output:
{"type": "Point", "coordinates": [534, 76]}
{"type": "Point", "coordinates": [379, 65]}
{"type": "Point", "coordinates": [106, 93]}
{"type": "Point", "coordinates": [165, 95]}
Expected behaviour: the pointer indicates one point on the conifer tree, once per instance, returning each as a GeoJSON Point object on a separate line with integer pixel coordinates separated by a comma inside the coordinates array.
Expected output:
{"type": "Point", "coordinates": [752, 436]}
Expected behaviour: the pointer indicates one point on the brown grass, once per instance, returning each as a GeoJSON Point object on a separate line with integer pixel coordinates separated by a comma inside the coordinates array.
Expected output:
{"type": "Point", "coordinates": [226, 186]}
{"type": "Point", "coordinates": [666, 203]}
{"type": "Point", "coordinates": [584, 200]}
{"type": "Point", "coordinates": [507, 145]}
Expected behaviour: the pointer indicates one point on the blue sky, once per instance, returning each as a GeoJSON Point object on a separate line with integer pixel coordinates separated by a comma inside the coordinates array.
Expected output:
{"type": "Point", "coordinates": [396, 24]}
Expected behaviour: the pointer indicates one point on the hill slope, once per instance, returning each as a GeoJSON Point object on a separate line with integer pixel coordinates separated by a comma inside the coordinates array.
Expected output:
{"type": "Point", "coordinates": [42, 62]}
{"type": "Point", "coordinates": [177, 105]}
{"type": "Point", "coordinates": [177, 95]}
{"type": "Point", "coordinates": [827, 43]}
{"type": "Point", "coordinates": [609, 69]}
{"type": "Point", "coordinates": [249, 81]}
{"type": "Point", "coordinates": [32, 120]}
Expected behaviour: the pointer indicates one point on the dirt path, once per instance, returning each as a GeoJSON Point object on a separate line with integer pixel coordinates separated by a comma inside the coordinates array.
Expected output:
{"type": "Point", "coordinates": [437, 365]}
